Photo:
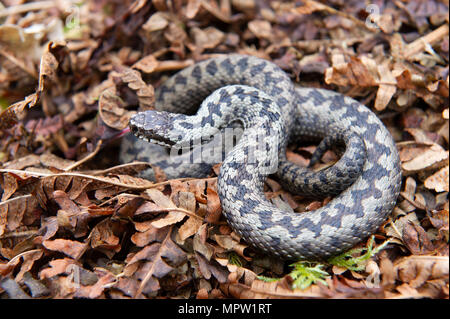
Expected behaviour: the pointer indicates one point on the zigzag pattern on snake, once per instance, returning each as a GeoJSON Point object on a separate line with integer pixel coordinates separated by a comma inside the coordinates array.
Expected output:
{"type": "Point", "coordinates": [367, 177]}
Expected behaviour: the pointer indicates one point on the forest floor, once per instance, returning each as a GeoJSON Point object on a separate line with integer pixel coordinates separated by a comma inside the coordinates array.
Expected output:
{"type": "Point", "coordinates": [74, 223]}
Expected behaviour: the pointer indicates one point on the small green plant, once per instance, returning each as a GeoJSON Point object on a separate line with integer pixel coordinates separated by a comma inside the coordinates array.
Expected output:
{"type": "Point", "coordinates": [305, 273]}
{"type": "Point", "coordinates": [234, 259]}
{"type": "Point", "coordinates": [346, 259]}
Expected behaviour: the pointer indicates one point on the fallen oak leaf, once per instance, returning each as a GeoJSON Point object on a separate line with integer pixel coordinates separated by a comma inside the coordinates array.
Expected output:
{"type": "Point", "coordinates": [105, 280]}
{"type": "Point", "coordinates": [71, 248]}
{"type": "Point", "coordinates": [14, 261]}
{"type": "Point", "coordinates": [193, 223]}
{"type": "Point", "coordinates": [211, 267]}
{"type": "Point", "coordinates": [13, 210]}
{"type": "Point", "coordinates": [213, 206]}
{"type": "Point", "coordinates": [438, 181]}
{"type": "Point", "coordinates": [146, 233]}
{"type": "Point", "coordinates": [433, 155]}
{"type": "Point", "coordinates": [70, 215]}
{"type": "Point", "coordinates": [230, 244]}
{"type": "Point", "coordinates": [416, 270]}
{"type": "Point", "coordinates": [416, 239]}
{"type": "Point", "coordinates": [112, 110]}
{"type": "Point", "coordinates": [145, 92]}
{"type": "Point", "coordinates": [155, 265]}
{"type": "Point", "coordinates": [175, 214]}
{"type": "Point", "coordinates": [102, 236]}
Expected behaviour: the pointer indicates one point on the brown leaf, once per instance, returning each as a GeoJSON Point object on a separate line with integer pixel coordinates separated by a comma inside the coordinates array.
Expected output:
{"type": "Point", "coordinates": [230, 244]}
{"type": "Point", "coordinates": [148, 234]}
{"type": "Point", "coordinates": [9, 186]}
{"type": "Point", "coordinates": [70, 215]}
{"type": "Point", "coordinates": [157, 21]}
{"type": "Point", "coordinates": [48, 67]}
{"type": "Point", "coordinates": [416, 270]}
{"type": "Point", "coordinates": [28, 262]}
{"type": "Point", "coordinates": [156, 266]}
{"type": "Point", "coordinates": [351, 73]}
{"type": "Point", "coordinates": [53, 161]}
{"type": "Point", "coordinates": [23, 162]}
{"type": "Point", "coordinates": [102, 236]}
{"type": "Point", "coordinates": [147, 64]}
{"type": "Point", "coordinates": [213, 206]}
{"type": "Point", "coordinates": [433, 155]}
{"type": "Point", "coordinates": [96, 290]}
{"type": "Point", "coordinates": [416, 239]}
{"type": "Point", "coordinates": [112, 110]}
{"type": "Point", "coordinates": [71, 248]}
{"type": "Point", "coordinates": [261, 28]}
{"type": "Point", "coordinates": [13, 210]}
{"type": "Point", "coordinates": [174, 216]}
{"type": "Point", "coordinates": [193, 223]}
{"type": "Point", "coordinates": [200, 244]}
{"type": "Point", "coordinates": [208, 38]}
{"type": "Point", "coordinates": [211, 267]}
{"type": "Point", "coordinates": [145, 92]}
{"type": "Point", "coordinates": [438, 181]}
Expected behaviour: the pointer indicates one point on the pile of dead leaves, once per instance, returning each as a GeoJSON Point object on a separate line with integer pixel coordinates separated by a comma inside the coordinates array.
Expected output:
{"type": "Point", "coordinates": [75, 224]}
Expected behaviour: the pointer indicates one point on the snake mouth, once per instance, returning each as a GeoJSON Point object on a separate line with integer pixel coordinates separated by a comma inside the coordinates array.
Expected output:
{"type": "Point", "coordinates": [151, 137]}
{"type": "Point", "coordinates": [139, 126]}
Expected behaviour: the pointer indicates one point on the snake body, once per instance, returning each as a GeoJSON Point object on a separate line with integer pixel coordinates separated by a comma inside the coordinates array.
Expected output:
{"type": "Point", "coordinates": [260, 96]}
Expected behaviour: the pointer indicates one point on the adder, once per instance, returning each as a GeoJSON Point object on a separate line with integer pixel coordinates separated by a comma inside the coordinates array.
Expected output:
{"type": "Point", "coordinates": [258, 95]}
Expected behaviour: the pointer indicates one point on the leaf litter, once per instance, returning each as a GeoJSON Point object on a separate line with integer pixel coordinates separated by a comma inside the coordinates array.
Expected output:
{"type": "Point", "coordinates": [75, 224]}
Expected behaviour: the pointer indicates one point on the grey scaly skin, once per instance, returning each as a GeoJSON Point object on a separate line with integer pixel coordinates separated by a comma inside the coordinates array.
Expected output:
{"type": "Point", "coordinates": [367, 177]}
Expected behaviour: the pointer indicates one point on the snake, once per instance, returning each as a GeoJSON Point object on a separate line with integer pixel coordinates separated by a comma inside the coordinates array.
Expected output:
{"type": "Point", "coordinates": [240, 91]}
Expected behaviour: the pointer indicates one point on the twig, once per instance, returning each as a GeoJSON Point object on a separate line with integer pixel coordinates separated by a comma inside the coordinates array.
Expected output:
{"type": "Point", "coordinates": [26, 7]}
{"type": "Point", "coordinates": [420, 44]}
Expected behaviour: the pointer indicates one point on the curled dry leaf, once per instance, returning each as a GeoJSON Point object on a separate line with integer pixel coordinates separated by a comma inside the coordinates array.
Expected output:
{"type": "Point", "coordinates": [416, 239]}
{"type": "Point", "coordinates": [438, 181]}
{"type": "Point", "coordinates": [112, 111]}
{"type": "Point", "coordinates": [147, 234]}
{"type": "Point", "coordinates": [416, 270]}
{"type": "Point", "coordinates": [211, 267]}
{"type": "Point", "coordinates": [427, 159]}
{"type": "Point", "coordinates": [351, 73]}
{"type": "Point", "coordinates": [145, 92]}
{"type": "Point", "coordinates": [174, 215]}
{"type": "Point", "coordinates": [102, 236]}
{"type": "Point", "coordinates": [213, 206]}
{"type": "Point", "coordinates": [105, 279]}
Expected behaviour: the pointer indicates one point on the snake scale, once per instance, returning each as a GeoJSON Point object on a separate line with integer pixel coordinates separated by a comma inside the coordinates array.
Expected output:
{"type": "Point", "coordinates": [261, 98]}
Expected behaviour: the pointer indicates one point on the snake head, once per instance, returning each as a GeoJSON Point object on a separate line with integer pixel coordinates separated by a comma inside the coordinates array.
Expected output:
{"type": "Point", "coordinates": [155, 127]}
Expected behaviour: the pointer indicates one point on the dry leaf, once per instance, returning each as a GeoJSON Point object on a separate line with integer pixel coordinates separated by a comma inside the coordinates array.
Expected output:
{"type": "Point", "coordinates": [438, 181]}
{"type": "Point", "coordinates": [71, 248]}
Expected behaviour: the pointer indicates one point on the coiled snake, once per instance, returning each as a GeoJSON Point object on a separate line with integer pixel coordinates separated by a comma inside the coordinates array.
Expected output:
{"type": "Point", "coordinates": [260, 96]}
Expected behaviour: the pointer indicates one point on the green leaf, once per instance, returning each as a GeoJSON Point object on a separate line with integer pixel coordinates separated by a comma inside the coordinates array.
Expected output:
{"type": "Point", "coordinates": [306, 273]}
{"type": "Point", "coordinates": [234, 259]}
{"type": "Point", "coordinates": [347, 259]}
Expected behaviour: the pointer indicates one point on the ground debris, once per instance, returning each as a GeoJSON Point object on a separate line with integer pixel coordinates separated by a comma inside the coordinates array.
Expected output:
{"type": "Point", "coordinates": [75, 224]}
